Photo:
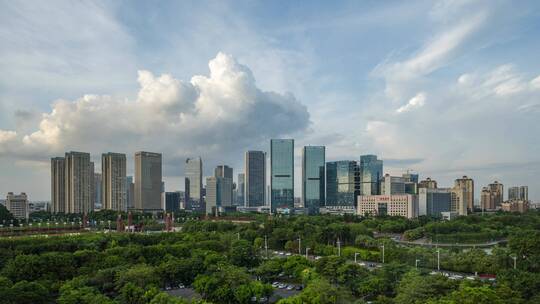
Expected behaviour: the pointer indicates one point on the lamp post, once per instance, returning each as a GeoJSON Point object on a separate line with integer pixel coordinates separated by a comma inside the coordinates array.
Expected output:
{"type": "Point", "coordinates": [339, 247]}
{"type": "Point", "coordinates": [299, 246]}
{"type": "Point", "coordinates": [438, 260]}
{"type": "Point", "coordinates": [382, 253]}
{"type": "Point", "coordinates": [416, 263]}
{"type": "Point", "coordinates": [355, 255]}
{"type": "Point", "coordinates": [307, 250]}
{"type": "Point", "coordinates": [515, 261]}
{"type": "Point", "coordinates": [266, 245]}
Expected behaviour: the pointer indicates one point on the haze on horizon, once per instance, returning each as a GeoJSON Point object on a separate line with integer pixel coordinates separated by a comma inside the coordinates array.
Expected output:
{"type": "Point", "coordinates": [444, 88]}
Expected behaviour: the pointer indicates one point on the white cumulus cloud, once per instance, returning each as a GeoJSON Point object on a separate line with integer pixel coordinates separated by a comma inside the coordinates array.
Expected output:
{"type": "Point", "coordinates": [416, 102]}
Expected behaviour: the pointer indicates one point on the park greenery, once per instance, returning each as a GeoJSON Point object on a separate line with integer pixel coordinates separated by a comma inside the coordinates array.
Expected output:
{"type": "Point", "coordinates": [228, 262]}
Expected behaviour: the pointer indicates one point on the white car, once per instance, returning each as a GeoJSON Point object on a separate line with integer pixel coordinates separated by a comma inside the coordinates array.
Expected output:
{"type": "Point", "coordinates": [471, 278]}
{"type": "Point", "coordinates": [433, 273]}
{"type": "Point", "coordinates": [317, 257]}
{"type": "Point", "coordinates": [290, 287]}
{"type": "Point", "coordinates": [288, 254]}
{"type": "Point", "coordinates": [362, 264]}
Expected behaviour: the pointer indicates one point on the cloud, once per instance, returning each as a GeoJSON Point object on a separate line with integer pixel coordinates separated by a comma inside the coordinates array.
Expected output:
{"type": "Point", "coordinates": [416, 102]}
{"type": "Point", "coordinates": [216, 116]}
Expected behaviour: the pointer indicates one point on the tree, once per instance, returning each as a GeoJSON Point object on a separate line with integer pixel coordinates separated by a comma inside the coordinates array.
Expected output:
{"type": "Point", "coordinates": [242, 253]}
{"type": "Point", "coordinates": [415, 288]}
{"type": "Point", "coordinates": [139, 275]}
{"type": "Point", "coordinates": [25, 292]}
{"type": "Point", "coordinates": [471, 295]}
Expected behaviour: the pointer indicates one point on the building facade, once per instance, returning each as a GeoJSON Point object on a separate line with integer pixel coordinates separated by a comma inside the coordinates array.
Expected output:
{"type": "Point", "coordinates": [17, 204]}
{"type": "Point", "coordinates": [518, 193]}
{"type": "Point", "coordinates": [193, 183]}
{"type": "Point", "coordinates": [498, 193]}
{"type": "Point", "coordinates": [281, 174]}
{"type": "Point", "coordinates": [148, 178]}
{"type": "Point", "coordinates": [520, 206]}
{"type": "Point", "coordinates": [172, 201]}
{"type": "Point", "coordinates": [313, 176]}
{"type": "Point", "coordinates": [240, 189]}
{"type": "Point", "coordinates": [431, 202]}
{"type": "Point", "coordinates": [130, 192]}
{"type": "Point", "coordinates": [371, 173]}
{"type": "Point", "coordinates": [428, 183]}
{"type": "Point", "coordinates": [392, 185]}
{"type": "Point", "coordinates": [58, 185]}
{"type": "Point", "coordinates": [226, 174]}
{"type": "Point", "coordinates": [405, 205]}
{"type": "Point", "coordinates": [79, 180]}
{"type": "Point", "coordinates": [411, 183]}
{"type": "Point", "coordinates": [467, 184]}
{"type": "Point", "coordinates": [113, 189]}
{"type": "Point", "coordinates": [458, 201]}
{"type": "Point", "coordinates": [255, 178]}
{"type": "Point", "coordinates": [341, 184]}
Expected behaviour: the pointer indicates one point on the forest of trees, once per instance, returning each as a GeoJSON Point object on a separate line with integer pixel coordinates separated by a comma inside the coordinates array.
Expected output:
{"type": "Point", "coordinates": [222, 261]}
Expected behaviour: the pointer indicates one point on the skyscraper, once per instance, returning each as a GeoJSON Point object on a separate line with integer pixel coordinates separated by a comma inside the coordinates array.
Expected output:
{"type": "Point", "coordinates": [497, 189]}
{"type": "Point", "coordinates": [79, 177]}
{"type": "Point", "coordinates": [226, 173]}
{"type": "Point", "coordinates": [193, 183]}
{"type": "Point", "coordinates": [392, 185]}
{"type": "Point", "coordinates": [114, 192]}
{"type": "Point", "coordinates": [428, 183]}
{"type": "Point", "coordinates": [240, 189]}
{"type": "Point", "coordinates": [487, 201]}
{"type": "Point", "coordinates": [58, 185]}
{"type": "Point", "coordinates": [313, 161]}
{"type": "Point", "coordinates": [518, 193]}
{"type": "Point", "coordinates": [467, 184]}
{"type": "Point", "coordinates": [148, 181]}
{"type": "Point", "coordinates": [97, 191]}
{"type": "Point", "coordinates": [255, 182]}
{"type": "Point", "coordinates": [223, 171]}
{"type": "Point", "coordinates": [341, 188]}
{"type": "Point", "coordinates": [130, 190]}
{"type": "Point", "coordinates": [282, 174]}
{"type": "Point", "coordinates": [411, 182]}
{"type": "Point", "coordinates": [371, 172]}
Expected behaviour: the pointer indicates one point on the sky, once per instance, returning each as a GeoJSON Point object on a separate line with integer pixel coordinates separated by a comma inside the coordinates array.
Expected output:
{"type": "Point", "coordinates": [443, 88]}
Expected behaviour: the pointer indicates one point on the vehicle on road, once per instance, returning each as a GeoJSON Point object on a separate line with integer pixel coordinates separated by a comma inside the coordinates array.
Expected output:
{"type": "Point", "coordinates": [290, 287]}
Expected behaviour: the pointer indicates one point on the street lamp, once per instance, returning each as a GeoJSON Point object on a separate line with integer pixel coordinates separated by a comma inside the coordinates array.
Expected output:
{"type": "Point", "coordinates": [382, 253]}
{"type": "Point", "coordinates": [266, 245]}
{"type": "Point", "coordinates": [339, 247]}
{"type": "Point", "coordinates": [416, 263]}
{"type": "Point", "coordinates": [299, 246]}
{"type": "Point", "coordinates": [438, 260]}
{"type": "Point", "coordinates": [355, 255]}
{"type": "Point", "coordinates": [307, 250]}
{"type": "Point", "coordinates": [515, 260]}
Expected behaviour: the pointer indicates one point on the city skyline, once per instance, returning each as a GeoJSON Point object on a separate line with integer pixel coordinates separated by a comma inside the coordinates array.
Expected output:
{"type": "Point", "coordinates": [445, 88]}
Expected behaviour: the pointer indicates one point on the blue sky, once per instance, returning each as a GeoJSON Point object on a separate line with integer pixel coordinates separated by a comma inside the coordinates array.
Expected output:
{"type": "Point", "coordinates": [445, 88]}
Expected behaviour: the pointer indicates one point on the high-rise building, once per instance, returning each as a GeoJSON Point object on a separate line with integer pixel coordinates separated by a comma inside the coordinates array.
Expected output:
{"type": "Point", "coordinates": [428, 183]}
{"type": "Point", "coordinates": [392, 185]}
{"type": "Point", "coordinates": [193, 183]}
{"type": "Point", "coordinates": [226, 173]}
{"type": "Point", "coordinates": [97, 191]}
{"type": "Point", "coordinates": [217, 194]}
{"type": "Point", "coordinates": [515, 206]}
{"type": "Point", "coordinates": [114, 191]}
{"type": "Point", "coordinates": [313, 175]}
{"type": "Point", "coordinates": [467, 184]}
{"type": "Point", "coordinates": [255, 182]}
{"type": "Point", "coordinates": [240, 189]}
{"type": "Point", "coordinates": [281, 174]}
{"type": "Point", "coordinates": [130, 190]}
{"type": "Point", "coordinates": [518, 193]}
{"type": "Point", "coordinates": [405, 205]}
{"type": "Point", "coordinates": [487, 201]}
{"type": "Point", "coordinates": [432, 201]}
{"type": "Point", "coordinates": [17, 204]}
{"type": "Point", "coordinates": [458, 201]}
{"type": "Point", "coordinates": [371, 172]}
{"type": "Point", "coordinates": [313, 178]}
{"type": "Point", "coordinates": [79, 178]}
{"type": "Point", "coordinates": [58, 185]}
{"type": "Point", "coordinates": [498, 193]}
{"type": "Point", "coordinates": [341, 188]}
{"type": "Point", "coordinates": [148, 178]}
{"type": "Point", "coordinates": [411, 182]}
{"type": "Point", "coordinates": [172, 201]}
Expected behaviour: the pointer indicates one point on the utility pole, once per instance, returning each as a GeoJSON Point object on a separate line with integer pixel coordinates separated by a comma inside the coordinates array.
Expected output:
{"type": "Point", "coordinates": [266, 245]}
{"type": "Point", "coordinates": [438, 260]}
{"type": "Point", "coordinates": [238, 235]}
{"type": "Point", "coordinates": [299, 246]}
{"type": "Point", "coordinates": [339, 247]}
{"type": "Point", "coordinates": [382, 253]}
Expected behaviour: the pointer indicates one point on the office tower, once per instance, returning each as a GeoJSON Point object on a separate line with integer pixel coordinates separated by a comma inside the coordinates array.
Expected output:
{"type": "Point", "coordinates": [411, 182]}
{"type": "Point", "coordinates": [371, 172]}
{"type": "Point", "coordinates": [172, 201]}
{"type": "Point", "coordinates": [405, 205]}
{"type": "Point", "coordinates": [497, 189]}
{"type": "Point", "coordinates": [148, 181]}
{"type": "Point", "coordinates": [281, 174]}
{"type": "Point", "coordinates": [79, 178]}
{"type": "Point", "coordinates": [341, 190]}
{"type": "Point", "coordinates": [467, 184]}
{"type": "Point", "coordinates": [130, 192]}
{"type": "Point", "coordinates": [114, 191]}
{"type": "Point", "coordinates": [428, 183]}
{"type": "Point", "coordinates": [524, 193]}
{"type": "Point", "coordinates": [226, 173]}
{"type": "Point", "coordinates": [58, 185]}
{"type": "Point", "coordinates": [97, 191]}
{"type": "Point", "coordinates": [313, 162]}
{"type": "Point", "coordinates": [240, 189]}
{"type": "Point", "coordinates": [513, 193]}
{"type": "Point", "coordinates": [193, 183]}
{"type": "Point", "coordinates": [255, 178]}
{"type": "Point", "coordinates": [432, 201]}
{"type": "Point", "coordinates": [17, 204]}
{"type": "Point", "coordinates": [487, 201]}
{"type": "Point", "coordinates": [217, 194]}
{"type": "Point", "coordinates": [392, 185]}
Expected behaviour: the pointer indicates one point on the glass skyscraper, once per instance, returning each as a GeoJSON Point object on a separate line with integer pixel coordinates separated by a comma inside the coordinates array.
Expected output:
{"type": "Point", "coordinates": [313, 160]}
{"type": "Point", "coordinates": [255, 178]}
{"type": "Point", "coordinates": [371, 173]}
{"type": "Point", "coordinates": [193, 184]}
{"type": "Point", "coordinates": [281, 173]}
{"type": "Point", "coordinates": [341, 186]}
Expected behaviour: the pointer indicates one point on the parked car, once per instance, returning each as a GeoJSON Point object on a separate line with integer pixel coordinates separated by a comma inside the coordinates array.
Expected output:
{"type": "Point", "coordinates": [282, 286]}
{"type": "Point", "coordinates": [275, 284]}
{"type": "Point", "coordinates": [290, 287]}
{"type": "Point", "coordinates": [299, 287]}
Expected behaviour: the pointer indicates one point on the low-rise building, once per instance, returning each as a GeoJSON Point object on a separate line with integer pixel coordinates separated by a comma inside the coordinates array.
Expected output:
{"type": "Point", "coordinates": [405, 205]}
{"type": "Point", "coordinates": [515, 206]}
{"type": "Point", "coordinates": [432, 201]}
